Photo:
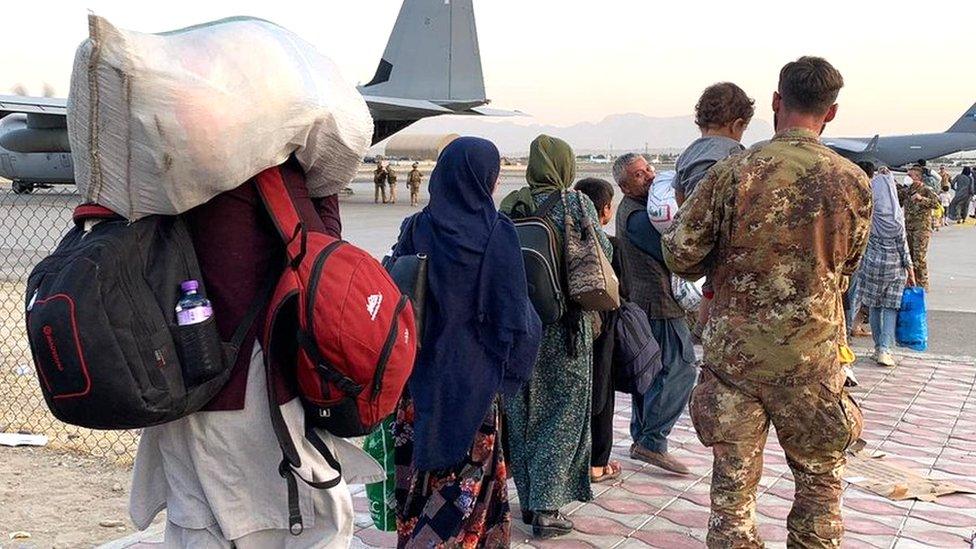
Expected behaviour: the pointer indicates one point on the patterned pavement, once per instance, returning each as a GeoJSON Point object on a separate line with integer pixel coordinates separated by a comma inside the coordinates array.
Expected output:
{"type": "Point", "coordinates": [921, 414]}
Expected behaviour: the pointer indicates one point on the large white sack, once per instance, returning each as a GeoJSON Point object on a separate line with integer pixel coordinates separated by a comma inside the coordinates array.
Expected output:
{"type": "Point", "coordinates": [662, 206]}
{"type": "Point", "coordinates": [161, 123]}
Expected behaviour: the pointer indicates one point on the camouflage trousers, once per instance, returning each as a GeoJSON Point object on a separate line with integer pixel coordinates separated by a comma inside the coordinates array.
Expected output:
{"type": "Point", "coordinates": [918, 247]}
{"type": "Point", "coordinates": [380, 192]}
{"type": "Point", "coordinates": [393, 190]}
{"type": "Point", "coordinates": [414, 195]}
{"type": "Point", "coordinates": [814, 423]}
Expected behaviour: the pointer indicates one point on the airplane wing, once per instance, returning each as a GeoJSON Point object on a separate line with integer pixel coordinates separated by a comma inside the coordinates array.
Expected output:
{"type": "Point", "coordinates": [488, 111]}
{"type": "Point", "coordinates": [402, 106]}
{"type": "Point", "coordinates": [847, 144]}
{"type": "Point", "coordinates": [10, 104]}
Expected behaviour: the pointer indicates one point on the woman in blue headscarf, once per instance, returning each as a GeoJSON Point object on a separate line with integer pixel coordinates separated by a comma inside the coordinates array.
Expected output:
{"type": "Point", "coordinates": [481, 340]}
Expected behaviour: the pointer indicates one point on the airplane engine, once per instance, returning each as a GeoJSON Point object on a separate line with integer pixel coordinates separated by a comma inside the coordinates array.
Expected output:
{"type": "Point", "coordinates": [34, 133]}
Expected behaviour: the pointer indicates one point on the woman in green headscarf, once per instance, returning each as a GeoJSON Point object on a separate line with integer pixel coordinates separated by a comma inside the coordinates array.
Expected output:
{"type": "Point", "coordinates": [549, 421]}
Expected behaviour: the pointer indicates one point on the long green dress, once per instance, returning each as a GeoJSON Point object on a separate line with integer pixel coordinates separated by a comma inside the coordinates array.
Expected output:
{"type": "Point", "coordinates": [549, 420]}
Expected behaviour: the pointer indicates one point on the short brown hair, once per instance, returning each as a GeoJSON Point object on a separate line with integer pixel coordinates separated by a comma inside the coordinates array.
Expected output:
{"type": "Point", "coordinates": [721, 104]}
{"type": "Point", "coordinates": [810, 85]}
{"type": "Point", "coordinates": [598, 190]}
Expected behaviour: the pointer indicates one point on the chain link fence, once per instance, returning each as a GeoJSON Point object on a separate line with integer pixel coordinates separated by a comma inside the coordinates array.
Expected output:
{"type": "Point", "coordinates": [31, 225]}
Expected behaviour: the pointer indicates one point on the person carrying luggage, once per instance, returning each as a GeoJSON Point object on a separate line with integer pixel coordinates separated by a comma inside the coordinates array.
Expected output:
{"type": "Point", "coordinates": [549, 421]}
{"type": "Point", "coordinates": [216, 472]}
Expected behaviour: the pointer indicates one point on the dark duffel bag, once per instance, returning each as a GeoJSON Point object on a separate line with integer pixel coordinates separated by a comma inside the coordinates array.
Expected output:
{"type": "Point", "coordinates": [101, 324]}
{"type": "Point", "coordinates": [636, 354]}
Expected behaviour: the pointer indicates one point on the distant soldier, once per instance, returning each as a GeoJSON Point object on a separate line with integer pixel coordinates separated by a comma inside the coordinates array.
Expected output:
{"type": "Point", "coordinates": [379, 181]}
{"type": "Point", "coordinates": [778, 229]}
{"type": "Point", "coordinates": [946, 178]}
{"type": "Point", "coordinates": [413, 180]}
{"type": "Point", "coordinates": [391, 179]}
{"type": "Point", "coordinates": [918, 200]}
{"type": "Point", "coordinates": [930, 179]}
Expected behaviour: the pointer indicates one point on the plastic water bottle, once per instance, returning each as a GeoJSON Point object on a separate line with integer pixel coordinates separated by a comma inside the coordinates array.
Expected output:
{"type": "Point", "coordinates": [192, 308]}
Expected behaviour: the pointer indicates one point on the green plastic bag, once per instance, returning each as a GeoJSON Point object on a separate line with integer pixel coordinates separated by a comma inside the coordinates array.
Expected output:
{"type": "Point", "coordinates": [382, 500]}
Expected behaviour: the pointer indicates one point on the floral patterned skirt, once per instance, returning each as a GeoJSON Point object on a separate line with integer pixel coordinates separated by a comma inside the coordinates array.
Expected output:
{"type": "Point", "coordinates": [462, 506]}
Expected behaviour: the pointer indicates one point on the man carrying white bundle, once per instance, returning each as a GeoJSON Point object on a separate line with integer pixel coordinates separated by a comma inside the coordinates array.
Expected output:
{"type": "Point", "coordinates": [216, 471]}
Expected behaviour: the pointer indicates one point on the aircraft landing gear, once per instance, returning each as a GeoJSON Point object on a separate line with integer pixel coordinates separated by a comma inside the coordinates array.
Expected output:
{"type": "Point", "coordinates": [20, 187]}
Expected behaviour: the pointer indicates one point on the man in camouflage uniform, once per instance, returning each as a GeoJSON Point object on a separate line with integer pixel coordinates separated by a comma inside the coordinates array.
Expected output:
{"type": "Point", "coordinates": [413, 181]}
{"type": "Point", "coordinates": [778, 229]}
{"type": "Point", "coordinates": [391, 179]}
{"type": "Point", "coordinates": [379, 182]}
{"type": "Point", "coordinates": [918, 201]}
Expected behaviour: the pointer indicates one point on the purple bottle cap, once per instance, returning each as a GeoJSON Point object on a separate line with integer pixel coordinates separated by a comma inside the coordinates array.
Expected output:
{"type": "Point", "coordinates": [189, 286]}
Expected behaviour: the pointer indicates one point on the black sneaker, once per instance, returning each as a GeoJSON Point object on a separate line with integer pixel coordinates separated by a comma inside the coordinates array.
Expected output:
{"type": "Point", "coordinates": [550, 524]}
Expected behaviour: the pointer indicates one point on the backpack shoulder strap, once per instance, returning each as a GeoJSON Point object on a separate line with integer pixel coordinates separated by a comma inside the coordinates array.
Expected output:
{"type": "Point", "coordinates": [290, 460]}
{"type": "Point", "coordinates": [281, 207]}
{"type": "Point", "coordinates": [259, 304]}
{"type": "Point", "coordinates": [554, 198]}
{"type": "Point", "coordinates": [284, 212]}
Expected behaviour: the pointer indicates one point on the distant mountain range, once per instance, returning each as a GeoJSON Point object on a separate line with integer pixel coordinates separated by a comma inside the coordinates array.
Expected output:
{"type": "Point", "coordinates": [616, 133]}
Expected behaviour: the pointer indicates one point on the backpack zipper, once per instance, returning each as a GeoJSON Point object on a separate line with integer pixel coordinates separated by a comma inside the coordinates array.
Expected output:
{"type": "Point", "coordinates": [313, 283]}
{"type": "Point", "coordinates": [552, 279]}
{"type": "Point", "coordinates": [388, 347]}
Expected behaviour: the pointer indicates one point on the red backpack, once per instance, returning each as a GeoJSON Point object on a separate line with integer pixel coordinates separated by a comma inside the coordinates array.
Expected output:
{"type": "Point", "coordinates": [338, 311]}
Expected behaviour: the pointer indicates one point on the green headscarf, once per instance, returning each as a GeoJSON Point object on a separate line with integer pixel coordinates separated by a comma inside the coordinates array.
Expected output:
{"type": "Point", "coordinates": [552, 167]}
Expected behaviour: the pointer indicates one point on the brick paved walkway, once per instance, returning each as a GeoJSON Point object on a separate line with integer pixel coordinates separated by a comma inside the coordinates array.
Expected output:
{"type": "Point", "coordinates": [922, 414]}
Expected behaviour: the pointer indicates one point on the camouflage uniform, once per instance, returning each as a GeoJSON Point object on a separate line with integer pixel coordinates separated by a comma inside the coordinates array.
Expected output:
{"type": "Point", "coordinates": [918, 226]}
{"type": "Point", "coordinates": [413, 180]}
{"type": "Point", "coordinates": [778, 230]}
{"type": "Point", "coordinates": [379, 181]}
{"type": "Point", "coordinates": [391, 179]}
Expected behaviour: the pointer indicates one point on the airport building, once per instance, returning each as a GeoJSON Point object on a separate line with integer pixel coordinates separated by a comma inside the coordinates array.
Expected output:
{"type": "Point", "coordinates": [418, 146]}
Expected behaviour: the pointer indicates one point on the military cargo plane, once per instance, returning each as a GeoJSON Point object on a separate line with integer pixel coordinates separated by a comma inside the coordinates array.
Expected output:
{"type": "Point", "coordinates": [896, 151]}
{"type": "Point", "coordinates": [431, 66]}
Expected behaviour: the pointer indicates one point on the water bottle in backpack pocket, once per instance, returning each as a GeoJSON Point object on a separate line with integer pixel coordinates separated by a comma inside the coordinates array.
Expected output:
{"type": "Point", "coordinates": [197, 339]}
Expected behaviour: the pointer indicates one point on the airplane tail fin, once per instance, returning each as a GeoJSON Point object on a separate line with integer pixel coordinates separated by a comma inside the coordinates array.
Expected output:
{"type": "Point", "coordinates": [965, 124]}
{"type": "Point", "coordinates": [432, 54]}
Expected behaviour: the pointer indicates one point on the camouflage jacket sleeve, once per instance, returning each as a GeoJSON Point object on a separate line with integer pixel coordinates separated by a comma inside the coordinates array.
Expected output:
{"type": "Point", "coordinates": [930, 199]}
{"type": "Point", "coordinates": [860, 229]}
{"type": "Point", "coordinates": [694, 235]}
{"type": "Point", "coordinates": [902, 195]}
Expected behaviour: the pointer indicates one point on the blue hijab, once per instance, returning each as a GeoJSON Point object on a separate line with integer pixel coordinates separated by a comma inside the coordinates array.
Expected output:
{"type": "Point", "coordinates": [481, 332]}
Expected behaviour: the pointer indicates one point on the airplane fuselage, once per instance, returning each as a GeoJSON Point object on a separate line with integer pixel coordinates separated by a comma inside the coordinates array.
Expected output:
{"type": "Point", "coordinates": [899, 150]}
{"type": "Point", "coordinates": [40, 167]}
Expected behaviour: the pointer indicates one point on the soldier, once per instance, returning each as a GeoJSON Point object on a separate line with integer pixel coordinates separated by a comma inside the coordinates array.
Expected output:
{"type": "Point", "coordinates": [778, 229]}
{"type": "Point", "coordinates": [413, 180]}
{"type": "Point", "coordinates": [945, 177]}
{"type": "Point", "coordinates": [918, 201]}
{"type": "Point", "coordinates": [931, 180]}
{"type": "Point", "coordinates": [391, 179]}
{"type": "Point", "coordinates": [379, 181]}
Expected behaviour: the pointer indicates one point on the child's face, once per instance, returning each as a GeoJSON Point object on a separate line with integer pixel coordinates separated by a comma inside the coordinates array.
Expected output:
{"type": "Point", "coordinates": [606, 214]}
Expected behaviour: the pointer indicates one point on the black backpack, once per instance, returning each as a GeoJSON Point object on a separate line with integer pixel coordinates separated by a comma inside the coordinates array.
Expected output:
{"type": "Point", "coordinates": [101, 324]}
{"type": "Point", "coordinates": [543, 257]}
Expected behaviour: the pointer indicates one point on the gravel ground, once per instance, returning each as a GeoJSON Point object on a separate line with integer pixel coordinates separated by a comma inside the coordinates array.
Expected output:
{"type": "Point", "coordinates": [61, 499]}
